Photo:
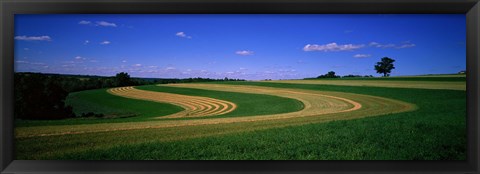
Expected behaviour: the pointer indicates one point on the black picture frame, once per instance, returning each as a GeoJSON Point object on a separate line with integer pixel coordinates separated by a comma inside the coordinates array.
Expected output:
{"type": "Point", "coordinates": [8, 8]}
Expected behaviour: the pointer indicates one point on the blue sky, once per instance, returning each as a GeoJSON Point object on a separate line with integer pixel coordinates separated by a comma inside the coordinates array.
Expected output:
{"type": "Point", "coordinates": [251, 47]}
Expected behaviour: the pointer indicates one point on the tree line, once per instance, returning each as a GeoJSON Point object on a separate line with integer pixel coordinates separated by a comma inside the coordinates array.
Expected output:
{"type": "Point", "coordinates": [385, 67]}
{"type": "Point", "coordinates": [332, 74]}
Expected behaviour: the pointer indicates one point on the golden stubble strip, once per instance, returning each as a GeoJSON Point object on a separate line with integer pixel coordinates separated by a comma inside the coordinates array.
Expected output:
{"type": "Point", "coordinates": [319, 106]}
{"type": "Point", "coordinates": [194, 106]}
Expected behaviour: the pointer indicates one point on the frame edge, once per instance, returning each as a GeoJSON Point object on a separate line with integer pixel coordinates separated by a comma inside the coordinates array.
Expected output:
{"type": "Point", "coordinates": [473, 74]}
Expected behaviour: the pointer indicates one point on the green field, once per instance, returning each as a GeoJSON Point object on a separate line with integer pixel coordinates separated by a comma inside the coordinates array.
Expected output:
{"type": "Point", "coordinates": [407, 119]}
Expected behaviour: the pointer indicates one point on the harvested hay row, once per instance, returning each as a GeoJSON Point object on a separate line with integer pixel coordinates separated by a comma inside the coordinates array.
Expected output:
{"type": "Point", "coordinates": [319, 106]}
{"type": "Point", "coordinates": [216, 107]}
{"type": "Point", "coordinates": [194, 106]}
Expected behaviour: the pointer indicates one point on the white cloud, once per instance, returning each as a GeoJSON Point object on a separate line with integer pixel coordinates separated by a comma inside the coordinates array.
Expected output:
{"type": "Point", "coordinates": [182, 34]}
{"type": "Point", "coordinates": [83, 22]}
{"type": "Point", "coordinates": [373, 44]}
{"type": "Point", "coordinates": [69, 62]}
{"type": "Point", "coordinates": [244, 52]}
{"type": "Point", "coordinates": [33, 38]}
{"type": "Point", "coordinates": [170, 68]}
{"type": "Point", "coordinates": [124, 61]}
{"type": "Point", "coordinates": [137, 65]}
{"type": "Point", "coordinates": [105, 42]}
{"type": "Point", "coordinates": [21, 61]}
{"type": "Point", "coordinates": [379, 45]}
{"type": "Point", "coordinates": [38, 63]}
{"type": "Point", "coordinates": [331, 47]}
{"type": "Point", "coordinates": [98, 23]}
{"type": "Point", "coordinates": [86, 42]}
{"type": "Point", "coordinates": [80, 58]}
{"type": "Point", "coordinates": [26, 49]}
{"type": "Point", "coordinates": [362, 55]}
{"type": "Point", "coordinates": [406, 45]}
{"type": "Point", "coordinates": [106, 24]}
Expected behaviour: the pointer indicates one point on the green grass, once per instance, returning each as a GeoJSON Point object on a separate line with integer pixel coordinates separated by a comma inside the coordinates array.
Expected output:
{"type": "Point", "coordinates": [247, 104]}
{"type": "Point", "coordinates": [436, 131]}
{"type": "Point", "coordinates": [383, 138]}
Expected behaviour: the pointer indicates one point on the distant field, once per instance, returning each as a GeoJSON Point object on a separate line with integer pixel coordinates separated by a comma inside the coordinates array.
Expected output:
{"type": "Point", "coordinates": [402, 78]}
{"type": "Point", "coordinates": [431, 83]}
{"type": "Point", "coordinates": [435, 76]}
{"type": "Point", "coordinates": [344, 119]}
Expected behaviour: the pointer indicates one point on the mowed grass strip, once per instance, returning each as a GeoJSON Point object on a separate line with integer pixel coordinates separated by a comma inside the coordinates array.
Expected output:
{"type": "Point", "coordinates": [435, 131]}
{"type": "Point", "coordinates": [390, 83]}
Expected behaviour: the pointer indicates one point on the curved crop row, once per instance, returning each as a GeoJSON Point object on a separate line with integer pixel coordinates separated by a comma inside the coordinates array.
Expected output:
{"type": "Point", "coordinates": [194, 106]}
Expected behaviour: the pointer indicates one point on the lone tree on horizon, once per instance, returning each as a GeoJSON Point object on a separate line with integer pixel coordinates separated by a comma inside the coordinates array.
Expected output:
{"type": "Point", "coordinates": [385, 66]}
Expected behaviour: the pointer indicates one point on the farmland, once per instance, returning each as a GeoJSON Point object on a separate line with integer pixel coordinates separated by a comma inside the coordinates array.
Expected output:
{"type": "Point", "coordinates": [419, 118]}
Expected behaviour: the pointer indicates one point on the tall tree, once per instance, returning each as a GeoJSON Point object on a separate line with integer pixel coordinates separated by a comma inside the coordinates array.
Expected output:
{"type": "Point", "coordinates": [385, 66]}
{"type": "Point", "coordinates": [123, 79]}
{"type": "Point", "coordinates": [331, 74]}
